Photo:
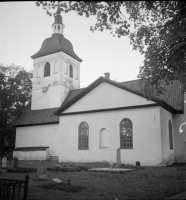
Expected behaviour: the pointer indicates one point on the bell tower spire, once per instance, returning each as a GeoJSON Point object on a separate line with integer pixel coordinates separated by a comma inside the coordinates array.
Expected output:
{"type": "Point", "coordinates": [56, 69]}
{"type": "Point", "coordinates": [58, 26]}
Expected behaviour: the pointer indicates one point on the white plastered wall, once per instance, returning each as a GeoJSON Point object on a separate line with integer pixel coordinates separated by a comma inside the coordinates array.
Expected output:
{"type": "Point", "coordinates": [147, 147]}
{"type": "Point", "coordinates": [31, 155]}
{"type": "Point", "coordinates": [36, 136]}
{"type": "Point", "coordinates": [169, 156]}
{"type": "Point", "coordinates": [107, 96]}
{"type": "Point", "coordinates": [179, 138]}
{"type": "Point", "coordinates": [50, 91]}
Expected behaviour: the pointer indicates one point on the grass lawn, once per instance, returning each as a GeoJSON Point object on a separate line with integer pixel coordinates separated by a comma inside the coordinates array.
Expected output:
{"type": "Point", "coordinates": [146, 183]}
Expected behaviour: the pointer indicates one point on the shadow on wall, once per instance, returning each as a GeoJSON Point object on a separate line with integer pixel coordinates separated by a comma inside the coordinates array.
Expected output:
{"type": "Point", "coordinates": [169, 160]}
{"type": "Point", "coordinates": [182, 158]}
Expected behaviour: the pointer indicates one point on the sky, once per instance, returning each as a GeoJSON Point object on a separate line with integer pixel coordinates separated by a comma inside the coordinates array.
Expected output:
{"type": "Point", "coordinates": [24, 27]}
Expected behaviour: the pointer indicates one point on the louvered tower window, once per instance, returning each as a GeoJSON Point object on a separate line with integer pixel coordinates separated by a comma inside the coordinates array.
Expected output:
{"type": "Point", "coordinates": [71, 71]}
{"type": "Point", "coordinates": [47, 69]}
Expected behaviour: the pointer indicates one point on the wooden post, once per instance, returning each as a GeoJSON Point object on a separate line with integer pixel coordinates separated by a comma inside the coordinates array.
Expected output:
{"type": "Point", "coordinates": [118, 158]}
{"type": "Point", "coordinates": [25, 196]}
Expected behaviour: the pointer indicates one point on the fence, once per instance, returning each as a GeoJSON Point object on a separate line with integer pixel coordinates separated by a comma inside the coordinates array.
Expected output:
{"type": "Point", "coordinates": [14, 189]}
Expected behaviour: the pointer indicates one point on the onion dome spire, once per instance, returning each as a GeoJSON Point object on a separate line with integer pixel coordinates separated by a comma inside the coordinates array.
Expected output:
{"type": "Point", "coordinates": [58, 25]}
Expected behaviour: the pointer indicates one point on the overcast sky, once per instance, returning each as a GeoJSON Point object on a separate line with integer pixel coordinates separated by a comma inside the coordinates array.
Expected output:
{"type": "Point", "coordinates": [24, 27]}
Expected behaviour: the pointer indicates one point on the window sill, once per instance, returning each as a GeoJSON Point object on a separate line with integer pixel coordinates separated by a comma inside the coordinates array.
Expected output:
{"type": "Point", "coordinates": [126, 147]}
{"type": "Point", "coordinates": [83, 149]}
{"type": "Point", "coordinates": [103, 147]}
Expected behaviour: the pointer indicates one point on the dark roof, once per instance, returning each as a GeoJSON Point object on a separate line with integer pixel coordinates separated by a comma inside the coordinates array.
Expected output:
{"type": "Point", "coordinates": [173, 94]}
{"type": "Point", "coordinates": [36, 117]}
{"type": "Point", "coordinates": [31, 148]}
{"type": "Point", "coordinates": [71, 95]}
{"type": "Point", "coordinates": [172, 100]}
{"type": "Point", "coordinates": [55, 44]}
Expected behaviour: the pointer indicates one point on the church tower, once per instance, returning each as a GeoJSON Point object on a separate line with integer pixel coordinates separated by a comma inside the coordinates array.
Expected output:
{"type": "Point", "coordinates": [56, 69]}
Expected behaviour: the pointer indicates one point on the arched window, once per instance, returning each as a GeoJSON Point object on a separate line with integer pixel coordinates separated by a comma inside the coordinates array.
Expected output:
{"type": "Point", "coordinates": [83, 135]}
{"type": "Point", "coordinates": [126, 140]}
{"type": "Point", "coordinates": [47, 69]}
{"type": "Point", "coordinates": [38, 72]}
{"type": "Point", "coordinates": [170, 135]}
{"type": "Point", "coordinates": [76, 73]}
{"type": "Point", "coordinates": [55, 70]}
{"type": "Point", "coordinates": [65, 67]}
{"type": "Point", "coordinates": [103, 138]}
{"type": "Point", "coordinates": [71, 71]}
{"type": "Point", "coordinates": [58, 27]}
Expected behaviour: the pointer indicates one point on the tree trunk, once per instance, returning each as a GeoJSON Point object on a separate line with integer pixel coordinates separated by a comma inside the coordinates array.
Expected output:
{"type": "Point", "coordinates": [1, 146]}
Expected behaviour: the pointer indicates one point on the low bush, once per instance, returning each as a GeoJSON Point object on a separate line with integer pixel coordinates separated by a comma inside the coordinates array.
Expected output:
{"type": "Point", "coordinates": [21, 170]}
{"type": "Point", "coordinates": [62, 186]}
{"type": "Point", "coordinates": [64, 169]}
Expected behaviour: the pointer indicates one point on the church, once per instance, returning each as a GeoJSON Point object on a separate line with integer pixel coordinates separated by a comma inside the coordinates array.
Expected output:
{"type": "Point", "coordinates": [67, 123]}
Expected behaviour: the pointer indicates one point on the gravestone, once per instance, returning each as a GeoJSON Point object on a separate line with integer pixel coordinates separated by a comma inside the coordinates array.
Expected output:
{"type": "Point", "coordinates": [57, 180]}
{"type": "Point", "coordinates": [15, 162]}
{"type": "Point", "coordinates": [4, 162]}
{"type": "Point", "coordinates": [111, 165]}
{"type": "Point", "coordinates": [41, 171]}
{"type": "Point", "coordinates": [118, 158]}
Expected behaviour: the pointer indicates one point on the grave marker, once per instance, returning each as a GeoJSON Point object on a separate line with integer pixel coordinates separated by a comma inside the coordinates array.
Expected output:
{"type": "Point", "coordinates": [118, 158]}
{"type": "Point", "coordinates": [4, 162]}
{"type": "Point", "coordinates": [41, 171]}
{"type": "Point", "coordinates": [57, 180]}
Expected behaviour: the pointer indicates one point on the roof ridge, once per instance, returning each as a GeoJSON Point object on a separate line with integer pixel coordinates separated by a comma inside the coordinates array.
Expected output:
{"type": "Point", "coordinates": [78, 89]}
{"type": "Point", "coordinates": [129, 81]}
{"type": "Point", "coordinates": [46, 109]}
{"type": "Point", "coordinates": [161, 101]}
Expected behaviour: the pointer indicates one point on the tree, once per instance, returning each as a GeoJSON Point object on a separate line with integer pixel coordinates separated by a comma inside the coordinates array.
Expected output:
{"type": "Point", "coordinates": [15, 92]}
{"type": "Point", "coordinates": [159, 34]}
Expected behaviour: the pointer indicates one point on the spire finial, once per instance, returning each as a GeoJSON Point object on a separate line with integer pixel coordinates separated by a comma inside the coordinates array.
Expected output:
{"type": "Point", "coordinates": [58, 24]}
{"type": "Point", "coordinates": [58, 12]}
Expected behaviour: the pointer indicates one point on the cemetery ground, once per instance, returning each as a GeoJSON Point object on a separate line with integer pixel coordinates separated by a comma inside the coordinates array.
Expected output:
{"type": "Point", "coordinates": [141, 183]}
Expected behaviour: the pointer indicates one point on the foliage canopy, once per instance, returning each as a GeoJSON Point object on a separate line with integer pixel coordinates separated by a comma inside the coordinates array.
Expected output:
{"type": "Point", "coordinates": [159, 34]}
{"type": "Point", "coordinates": [15, 92]}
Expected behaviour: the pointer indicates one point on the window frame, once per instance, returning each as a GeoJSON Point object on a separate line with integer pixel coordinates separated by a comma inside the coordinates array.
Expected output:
{"type": "Point", "coordinates": [47, 70]}
{"type": "Point", "coordinates": [122, 137]}
{"type": "Point", "coordinates": [55, 69]}
{"type": "Point", "coordinates": [38, 71]}
{"type": "Point", "coordinates": [81, 141]}
{"type": "Point", "coordinates": [71, 71]}
{"type": "Point", "coordinates": [170, 135]}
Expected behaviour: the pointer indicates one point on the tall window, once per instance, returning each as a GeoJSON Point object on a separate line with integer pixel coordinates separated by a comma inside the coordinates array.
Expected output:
{"type": "Point", "coordinates": [76, 73]}
{"type": "Point", "coordinates": [170, 135]}
{"type": "Point", "coordinates": [126, 140]}
{"type": "Point", "coordinates": [55, 69]}
{"type": "Point", "coordinates": [38, 72]}
{"type": "Point", "coordinates": [47, 69]}
{"type": "Point", "coordinates": [83, 135]}
{"type": "Point", "coordinates": [71, 71]}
